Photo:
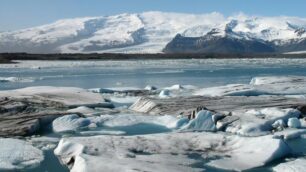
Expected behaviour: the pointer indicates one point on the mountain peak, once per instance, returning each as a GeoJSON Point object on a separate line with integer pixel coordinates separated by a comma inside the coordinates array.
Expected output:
{"type": "Point", "coordinates": [147, 32]}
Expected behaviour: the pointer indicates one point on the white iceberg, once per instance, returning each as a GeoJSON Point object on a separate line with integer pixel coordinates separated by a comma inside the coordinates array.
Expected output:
{"type": "Point", "coordinates": [247, 153]}
{"type": "Point", "coordinates": [69, 96]}
{"type": "Point", "coordinates": [69, 123]}
{"type": "Point", "coordinates": [17, 154]}
{"type": "Point", "coordinates": [294, 123]}
{"type": "Point", "coordinates": [259, 122]}
{"type": "Point", "coordinates": [202, 122]}
{"type": "Point", "coordinates": [291, 85]}
{"type": "Point", "coordinates": [297, 165]}
{"type": "Point", "coordinates": [168, 152]}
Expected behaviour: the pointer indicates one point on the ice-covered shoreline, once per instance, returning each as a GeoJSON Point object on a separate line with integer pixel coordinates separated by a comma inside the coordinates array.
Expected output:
{"type": "Point", "coordinates": [169, 128]}
{"type": "Point", "coordinates": [166, 63]}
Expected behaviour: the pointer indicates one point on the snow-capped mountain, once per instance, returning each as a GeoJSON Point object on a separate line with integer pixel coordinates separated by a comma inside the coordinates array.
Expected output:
{"type": "Point", "coordinates": [153, 32]}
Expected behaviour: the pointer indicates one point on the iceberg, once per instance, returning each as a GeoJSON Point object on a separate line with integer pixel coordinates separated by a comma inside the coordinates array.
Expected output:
{"type": "Point", "coordinates": [69, 123]}
{"type": "Point", "coordinates": [168, 152]}
{"type": "Point", "coordinates": [297, 165]}
{"type": "Point", "coordinates": [202, 122]}
{"type": "Point", "coordinates": [290, 85]}
{"type": "Point", "coordinates": [258, 122]}
{"type": "Point", "coordinates": [294, 123]}
{"type": "Point", "coordinates": [17, 155]}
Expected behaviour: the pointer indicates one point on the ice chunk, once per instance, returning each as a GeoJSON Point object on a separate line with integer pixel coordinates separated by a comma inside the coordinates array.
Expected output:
{"type": "Point", "coordinates": [289, 134]}
{"type": "Point", "coordinates": [150, 88]}
{"type": "Point", "coordinates": [279, 124]}
{"type": "Point", "coordinates": [17, 154]}
{"type": "Point", "coordinates": [69, 123]}
{"type": "Point", "coordinates": [297, 165]}
{"type": "Point", "coordinates": [138, 124]}
{"type": "Point", "coordinates": [277, 80]}
{"type": "Point", "coordinates": [164, 93]}
{"type": "Point", "coordinates": [169, 152]}
{"type": "Point", "coordinates": [175, 87]}
{"type": "Point", "coordinates": [247, 153]}
{"type": "Point", "coordinates": [84, 110]}
{"type": "Point", "coordinates": [294, 123]}
{"type": "Point", "coordinates": [293, 85]}
{"type": "Point", "coordinates": [69, 96]}
{"type": "Point", "coordinates": [259, 122]}
{"type": "Point", "coordinates": [202, 122]}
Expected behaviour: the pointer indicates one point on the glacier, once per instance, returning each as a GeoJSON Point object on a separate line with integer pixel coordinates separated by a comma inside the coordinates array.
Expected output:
{"type": "Point", "coordinates": [147, 32]}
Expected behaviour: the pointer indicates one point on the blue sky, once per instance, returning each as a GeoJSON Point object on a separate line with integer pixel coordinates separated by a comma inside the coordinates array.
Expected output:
{"type": "Point", "coordinates": [17, 14]}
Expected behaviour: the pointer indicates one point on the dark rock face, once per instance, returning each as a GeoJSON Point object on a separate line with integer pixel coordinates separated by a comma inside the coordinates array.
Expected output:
{"type": "Point", "coordinates": [230, 44]}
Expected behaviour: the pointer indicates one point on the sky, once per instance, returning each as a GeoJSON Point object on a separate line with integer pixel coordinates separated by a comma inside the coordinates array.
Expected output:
{"type": "Point", "coordinates": [19, 14]}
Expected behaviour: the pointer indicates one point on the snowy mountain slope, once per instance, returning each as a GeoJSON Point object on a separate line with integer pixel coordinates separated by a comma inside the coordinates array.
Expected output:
{"type": "Point", "coordinates": [244, 34]}
{"type": "Point", "coordinates": [150, 32]}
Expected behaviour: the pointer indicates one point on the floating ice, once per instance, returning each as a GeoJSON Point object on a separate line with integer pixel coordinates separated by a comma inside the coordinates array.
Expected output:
{"type": "Point", "coordinates": [16, 79]}
{"type": "Point", "coordinates": [294, 123]}
{"type": "Point", "coordinates": [297, 165]}
{"type": "Point", "coordinates": [168, 152]}
{"type": "Point", "coordinates": [293, 85]}
{"type": "Point", "coordinates": [69, 96]}
{"type": "Point", "coordinates": [203, 122]}
{"type": "Point", "coordinates": [69, 123]}
{"type": "Point", "coordinates": [246, 153]}
{"type": "Point", "coordinates": [279, 124]}
{"type": "Point", "coordinates": [17, 154]}
{"type": "Point", "coordinates": [164, 93]}
{"type": "Point", "coordinates": [259, 122]}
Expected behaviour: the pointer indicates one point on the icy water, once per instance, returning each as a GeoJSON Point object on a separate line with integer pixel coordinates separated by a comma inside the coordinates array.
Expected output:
{"type": "Point", "coordinates": [139, 73]}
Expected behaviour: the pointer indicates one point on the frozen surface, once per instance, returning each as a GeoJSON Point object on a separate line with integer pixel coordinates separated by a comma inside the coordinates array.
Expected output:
{"type": "Point", "coordinates": [246, 153]}
{"type": "Point", "coordinates": [294, 123]}
{"type": "Point", "coordinates": [291, 85]}
{"type": "Point", "coordinates": [70, 96]}
{"type": "Point", "coordinates": [69, 123]}
{"type": "Point", "coordinates": [17, 154]}
{"type": "Point", "coordinates": [168, 151]}
{"type": "Point", "coordinates": [259, 122]}
{"type": "Point", "coordinates": [202, 122]}
{"type": "Point", "coordinates": [297, 165]}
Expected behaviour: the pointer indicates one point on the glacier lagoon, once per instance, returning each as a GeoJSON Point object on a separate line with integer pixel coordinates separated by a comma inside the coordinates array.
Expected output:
{"type": "Point", "coordinates": [135, 138]}
{"type": "Point", "coordinates": [139, 73]}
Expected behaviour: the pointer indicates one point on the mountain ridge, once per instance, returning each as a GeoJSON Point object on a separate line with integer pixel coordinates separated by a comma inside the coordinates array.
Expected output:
{"type": "Point", "coordinates": [152, 32]}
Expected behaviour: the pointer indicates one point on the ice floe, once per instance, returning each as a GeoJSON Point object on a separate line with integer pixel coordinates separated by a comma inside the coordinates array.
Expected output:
{"type": "Point", "coordinates": [203, 121]}
{"type": "Point", "coordinates": [294, 123]}
{"type": "Point", "coordinates": [258, 122]}
{"type": "Point", "coordinates": [291, 85]}
{"type": "Point", "coordinates": [168, 152]}
{"type": "Point", "coordinates": [297, 165]}
{"type": "Point", "coordinates": [69, 123]}
{"type": "Point", "coordinates": [17, 154]}
{"type": "Point", "coordinates": [16, 79]}
{"type": "Point", "coordinates": [69, 96]}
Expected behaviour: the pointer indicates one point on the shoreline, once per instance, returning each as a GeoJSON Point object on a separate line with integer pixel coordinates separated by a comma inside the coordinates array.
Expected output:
{"type": "Point", "coordinates": [8, 58]}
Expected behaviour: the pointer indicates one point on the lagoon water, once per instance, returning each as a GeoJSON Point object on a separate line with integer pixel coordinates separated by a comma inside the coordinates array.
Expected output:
{"type": "Point", "coordinates": [139, 73]}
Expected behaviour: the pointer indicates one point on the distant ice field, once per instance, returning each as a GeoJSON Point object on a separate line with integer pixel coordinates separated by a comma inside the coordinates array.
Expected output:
{"type": "Point", "coordinates": [139, 73]}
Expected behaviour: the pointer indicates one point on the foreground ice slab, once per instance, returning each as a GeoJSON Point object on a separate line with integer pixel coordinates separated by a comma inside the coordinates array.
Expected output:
{"type": "Point", "coordinates": [168, 152]}
{"type": "Point", "coordinates": [25, 111]}
{"type": "Point", "coordinates": [290, 85]}
{"type": "Point", "coordinates": [258, 122]}
{"type": "Point", "coordinates": [176, 105]}
{"type": "Point", "coordinates": [69, 96]}
{"type": "Point", "coordinates": [17, 154]}
{"type": "Point", "coordinates": [298, 165]}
